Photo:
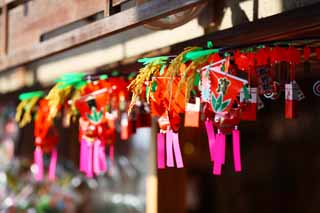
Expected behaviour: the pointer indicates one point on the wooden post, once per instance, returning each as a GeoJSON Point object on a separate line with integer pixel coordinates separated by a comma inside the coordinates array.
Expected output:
{"type": "Point", "coordinates": [107, 8]}
{"type": "Point", "coordinates": [4, 29]}
{"type": "Point", "coordinates": [152, 179]}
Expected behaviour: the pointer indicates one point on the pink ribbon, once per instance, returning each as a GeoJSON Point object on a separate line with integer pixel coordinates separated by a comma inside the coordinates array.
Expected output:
{"type": "Point", "coordinates": [219, 155]}
{"type": "Point", "coordinates": [161, 151]}
{"type": "Point", "coordinates": [176, 149]}
{"type": "Point", "coordinates": [96, 153]}
{"type": "Point", "coordinates": [53, 164]}
{"type": "Point", "coordinates": [236, 150]}
{"type": "Point", "coordinates": [169, 148]}
{"type": "Point", "coordinates": [83, 155]}
{"type": "Point", "coordinates": [89, 158]}
{"type": "Point", "coordinates": [211, 138]}
{"type": "Point", "coordinates": [38, 161]}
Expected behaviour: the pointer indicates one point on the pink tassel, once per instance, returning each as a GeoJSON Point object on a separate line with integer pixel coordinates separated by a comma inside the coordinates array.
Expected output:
{"type": "Point", "coordinates": [38, 161]}
{"type": "Point", "coordinates": [211, 138]}
{"type": "Point", "coordinates": [236, 150]}
{"type": "Point", "coordinates": [53, 164]}
{"type": "Point", "coordinates": [83, 155]}
{"type": "Point", "coordinates": [219, 153]}
{"type": "Point", "coordinates": [102, 158]}
{"type": "Point", "coordinates": [169, 148]}
{"type": "Point", "coordinates": [89, 158]}
{"type": "Point", "coordinates": [96, 153]}
{"type": "Point", "coordinates": [176, 149]}
{"type": "Point", "coordinates": [161, 151]}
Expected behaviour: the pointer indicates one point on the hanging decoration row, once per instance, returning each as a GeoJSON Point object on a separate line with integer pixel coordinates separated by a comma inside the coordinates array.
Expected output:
{"type": "Point", "coordinates": [221, 87]}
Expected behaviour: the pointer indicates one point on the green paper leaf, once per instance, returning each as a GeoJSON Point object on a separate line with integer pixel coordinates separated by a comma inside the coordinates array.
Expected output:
{"type": "Point", "coordinates": [196, 79]}
{"type": "Point", "coordinates": [246, 92]}
{"type": "Point", "coordinates": [103, 77]}
{"type": "Point", "coordinates": [155, 60]}
{"type": "Point", "coordinates": [95, 116]}
{"type": "Point", "coordinates": [28, 95]}
{"type": "Point", "coordinates": [162, 69]}
{"type": "Point", "coordinates": [209, 44]}
{"type": "Point", "coordinates": [115, 73]}
{"type": "Point", "coordinates": [154, 86]}
{"type": "Point", "coordinates": [148, 93]}
{"type": "Point", "coordinates": [224, 105]}
{"type": "Point", "coordinates": [132, 75]}
{"type": "Point", "coordinates": [219, 101]}
{"type": "Point", "coordinates": [214, 102]}
{"type": "Point", "coordinates": [196, 54]}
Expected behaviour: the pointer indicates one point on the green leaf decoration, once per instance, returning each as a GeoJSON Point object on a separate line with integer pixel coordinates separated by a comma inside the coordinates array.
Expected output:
{"type": "Point", "coordinates": [162, 69]}
{"type": "Point", "coordinates": [196, 54]}
{"type": "Point", "coordinates": [246, 92]}
{"type": "Point", "coordinates": [224, 105]}
{"type": "Point", "coordinates": [154, 86]}
{"type": "Point", "coordinates": [219, 101]}
{"type": "Point", "coordinates": [209, 44]}
{"type": "Point", "coordinates": [103, 77]}
{"type": "Point", "coordinates": [155, 60]}
{"type": "Point", "coordinates": [95, 116]}
{"type": "Point", "coordinates": [218, 104]}
{"type": "Point", "coordinates": [28, 95]}
{"type": "Point", "coordinates": [132, 75]}
{"type": "Point", "coordinates": [115, 73]}
{"type": "Point", "coordinates": [214, 102]}
{"type": "Point", "coordinates": [196, 79]}
{"type": "Point", "coordinates": [148, 93]}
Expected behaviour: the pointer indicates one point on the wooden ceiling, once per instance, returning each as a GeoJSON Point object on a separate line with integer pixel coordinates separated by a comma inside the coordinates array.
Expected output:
{"type": "Point", "coordinates": [25, 26]}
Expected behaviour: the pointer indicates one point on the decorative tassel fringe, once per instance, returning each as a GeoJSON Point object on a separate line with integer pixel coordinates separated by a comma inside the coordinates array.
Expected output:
{"type": "Point", "coordinates": [219, 155]}
{"type": "Point", "coordinates": [96, 152]}
{"type": "Point", "coordinates": [173, 148]}
{"type": "Point", "coordinates": [83, 155]}
{"type": "Point", "coordinates": [169, 148]}
{"type": "Point", "coordinates": [89, 158]}
{"type": "Point", "coordinates": [236, 150]}
{"type": "Point", "coordinates": [211, 138]}
{"type": "Point", "coordinates": [38, 161]}
{"type": "Point", "coordinates": [176, 149]}
{"type": "Point", "coordinates": [53, 165]}
{"type": "Point", "coordinates": [161, 150]}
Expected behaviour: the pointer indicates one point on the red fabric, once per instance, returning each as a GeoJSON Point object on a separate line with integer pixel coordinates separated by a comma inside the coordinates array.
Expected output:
{"type": "Point", "coordinates": [232, 91]}
{"type": "Point", "coordinates": [306, 53]}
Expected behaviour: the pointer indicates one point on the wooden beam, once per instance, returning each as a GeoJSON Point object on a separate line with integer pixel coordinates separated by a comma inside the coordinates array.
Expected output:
{"type": "Point", "coordinates": [110, 25]}
{"type": "Point", "coordinates": [118, 2]}
{"type": "Point", "coordinates": [6, 2]}
{"type": "Point", "coordinates": [4, 29]}
{"type": "Point", "coordinates": [287, 25]}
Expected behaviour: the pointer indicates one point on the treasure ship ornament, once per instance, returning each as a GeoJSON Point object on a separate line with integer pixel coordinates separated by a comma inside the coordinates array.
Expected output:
{"type": "Point", "coordinates": [219, 95]}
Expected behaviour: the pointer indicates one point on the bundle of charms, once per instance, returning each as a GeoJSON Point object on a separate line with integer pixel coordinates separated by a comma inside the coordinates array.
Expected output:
{"type": "Point", "coordinates": [99, 104]}
{"type": "Point", "coordinates": [222, 85]}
